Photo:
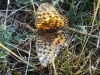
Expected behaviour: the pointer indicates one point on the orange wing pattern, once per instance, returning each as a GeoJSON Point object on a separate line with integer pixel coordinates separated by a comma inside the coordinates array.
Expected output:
{"type": "Point", "coordinates": [48, 44]}
{"type": "Point", "coordinates": [47, 17]}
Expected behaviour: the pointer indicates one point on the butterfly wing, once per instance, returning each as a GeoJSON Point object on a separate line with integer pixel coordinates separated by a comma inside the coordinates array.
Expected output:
{"type": "Point", "coordinates": [47, 17]}
{"type": "Point", "coordinates": [48, 46]}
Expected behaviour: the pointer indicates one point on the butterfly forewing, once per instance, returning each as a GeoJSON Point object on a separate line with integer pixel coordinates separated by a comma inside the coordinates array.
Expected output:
{"type": "Point", "coordinates": [47, 17]}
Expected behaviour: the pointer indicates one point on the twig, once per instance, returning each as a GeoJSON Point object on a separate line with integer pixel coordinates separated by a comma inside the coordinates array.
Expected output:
{"type": "Point", "coordinates": [6, 15]}
{"type": "Point", "coordinates": [28, 59]}
{"type": "Point", "coordinates": [90, 35]}
{"type": "Point", "coordinates": [33, 7]}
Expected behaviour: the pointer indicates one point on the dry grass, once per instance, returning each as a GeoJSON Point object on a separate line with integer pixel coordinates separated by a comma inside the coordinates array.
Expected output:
{"type": "Point", "coordinates": [18, 33]}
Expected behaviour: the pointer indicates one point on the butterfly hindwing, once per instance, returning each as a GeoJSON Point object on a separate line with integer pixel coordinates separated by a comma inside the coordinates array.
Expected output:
{"type": "Point", "coordinates": [48, 46]}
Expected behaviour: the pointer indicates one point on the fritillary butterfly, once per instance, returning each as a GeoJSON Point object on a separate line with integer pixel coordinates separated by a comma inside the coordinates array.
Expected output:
{"type": "Point", "coordinates": [48, 43]}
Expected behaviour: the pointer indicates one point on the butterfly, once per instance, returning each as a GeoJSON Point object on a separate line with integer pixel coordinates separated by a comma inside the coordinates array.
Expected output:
{"type": "Point", "coordinates": [51, 38]}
